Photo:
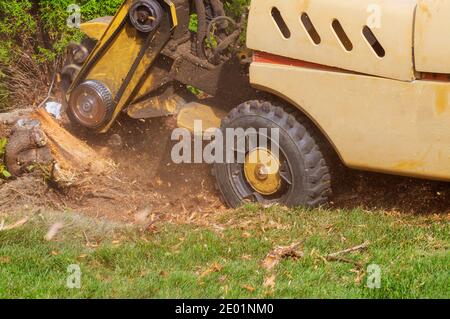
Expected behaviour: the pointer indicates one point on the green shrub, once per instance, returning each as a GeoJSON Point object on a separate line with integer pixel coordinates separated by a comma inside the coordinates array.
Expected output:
{"type": "Point", "coordinates": [54, 14]}
{"type": "Point", "coordinates": [15, 22]}
{"type": "Point", "coordinates": [235, 7]}
{"type": "Point", "coordinates": [37, 30]}
{"type": "Point", "coordinates": [3, 171]}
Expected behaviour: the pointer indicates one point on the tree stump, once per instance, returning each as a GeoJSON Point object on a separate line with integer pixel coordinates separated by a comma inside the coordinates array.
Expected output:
{"type": "Point", "coordinates": [38, 140]}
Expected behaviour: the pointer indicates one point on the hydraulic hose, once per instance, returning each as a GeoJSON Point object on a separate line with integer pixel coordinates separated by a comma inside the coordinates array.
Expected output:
{"type": "Point", "coordinates": [217, 7]}
{"type": "Point", "coordinates": [201, 30]}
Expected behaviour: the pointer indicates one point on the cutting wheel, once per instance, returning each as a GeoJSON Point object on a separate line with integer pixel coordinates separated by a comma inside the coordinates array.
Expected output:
{"type": "Point", "coordinates": [91, 104]}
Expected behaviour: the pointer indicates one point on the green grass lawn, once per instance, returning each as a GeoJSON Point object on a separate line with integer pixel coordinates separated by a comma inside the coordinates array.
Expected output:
{"type": "Point", "coordinates": [224, 260]}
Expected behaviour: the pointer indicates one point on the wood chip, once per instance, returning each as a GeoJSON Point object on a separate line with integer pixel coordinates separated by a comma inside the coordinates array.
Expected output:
{"type": "Point", "coordinates": [53, 231]}
{"type": "Point", "coordinates": [216, 267]}
{"type": "Point", "coordinates": [269, 282]}
{"type": "Point", "coordinates": [250, 288]}
{"type": "Point", "coordinates": [279, 253]}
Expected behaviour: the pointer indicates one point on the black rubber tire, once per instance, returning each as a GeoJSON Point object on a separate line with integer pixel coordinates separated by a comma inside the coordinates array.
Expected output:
{"type": "Point", "coordinates": [310, 176]}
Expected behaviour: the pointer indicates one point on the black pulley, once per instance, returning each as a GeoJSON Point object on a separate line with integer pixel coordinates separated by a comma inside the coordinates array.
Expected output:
{"type": "Point", "coordinates": [91, 104]}
{"type": "Point", "coordinates": [145, 15]}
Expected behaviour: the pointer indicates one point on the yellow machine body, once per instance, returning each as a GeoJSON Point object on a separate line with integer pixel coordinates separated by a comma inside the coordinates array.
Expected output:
{"type": "Point", "coordinates": [113, 67]}
{"type": "Point", "coordinates": [383, 113]}
{"type": "Point", "coordinates": [95, 29]}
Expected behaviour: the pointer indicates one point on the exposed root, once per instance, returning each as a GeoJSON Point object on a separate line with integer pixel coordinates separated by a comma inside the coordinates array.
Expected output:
{"type": "Point", "coordinates": [26, 147]}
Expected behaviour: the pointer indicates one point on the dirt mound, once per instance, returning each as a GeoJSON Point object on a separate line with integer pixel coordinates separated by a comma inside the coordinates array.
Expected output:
{"type": "Point", "coordinates": [146, 181]}
{"type": "Point", "coordinates": [5, 130]}
{"type": "Point", "coordinates": [145, 178]}
{"type": "Point", "coordinates": [28, 193]}
{"type": "Point", "coordinates": [144, 158]}
{"type": "Point", "coordinates": [373, 191]}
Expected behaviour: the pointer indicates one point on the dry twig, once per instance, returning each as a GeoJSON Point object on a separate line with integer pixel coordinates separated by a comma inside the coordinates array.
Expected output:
{"type": "Point", "coordinates": [336, 256]}
{"type": "Point", "coordinates": [349, 250]}
{"type": "Point", "coordinates": [18, 224]}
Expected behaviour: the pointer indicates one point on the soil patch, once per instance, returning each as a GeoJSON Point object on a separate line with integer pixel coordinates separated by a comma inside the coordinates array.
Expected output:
{"type": "Point", "coordinates": [146, 181]}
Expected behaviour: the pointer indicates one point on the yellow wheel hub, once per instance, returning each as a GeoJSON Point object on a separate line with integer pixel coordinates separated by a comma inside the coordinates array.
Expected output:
{"type": "Point", "coordinates": [262, 171]}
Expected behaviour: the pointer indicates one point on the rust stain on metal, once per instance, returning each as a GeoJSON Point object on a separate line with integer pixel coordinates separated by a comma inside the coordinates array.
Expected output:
{"type": "Point", "coordinates": [424, 7]}
{"type": "Point", "coordinates": [441, 99]}
{"type": "Point", "coordinates": [408, 165]}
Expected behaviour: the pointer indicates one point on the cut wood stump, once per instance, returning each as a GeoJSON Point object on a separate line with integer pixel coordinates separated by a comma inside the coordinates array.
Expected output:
{"type": "Point", "coordinates": [70, 152]}
{"type": "Point", "coordinates": [38, 140]}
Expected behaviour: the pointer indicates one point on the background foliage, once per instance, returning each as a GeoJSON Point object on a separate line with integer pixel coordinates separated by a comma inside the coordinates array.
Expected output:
{"type": "Point", "coordinates": [235, 7]}
{"type": "Point", "coordinates": [33, 33]}
{"type": "Point", "coordinates": [42, 23]}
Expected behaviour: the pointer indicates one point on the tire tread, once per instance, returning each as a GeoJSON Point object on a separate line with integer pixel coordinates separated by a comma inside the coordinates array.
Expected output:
{"type": "Point", "coordinates": [318, 175]}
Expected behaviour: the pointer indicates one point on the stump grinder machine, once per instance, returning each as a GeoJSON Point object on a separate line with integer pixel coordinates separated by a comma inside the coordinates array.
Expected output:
{"type": "Point", "coordinates": [137, 60]}
{"type": "Point", "coordinates": [365, 80]}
